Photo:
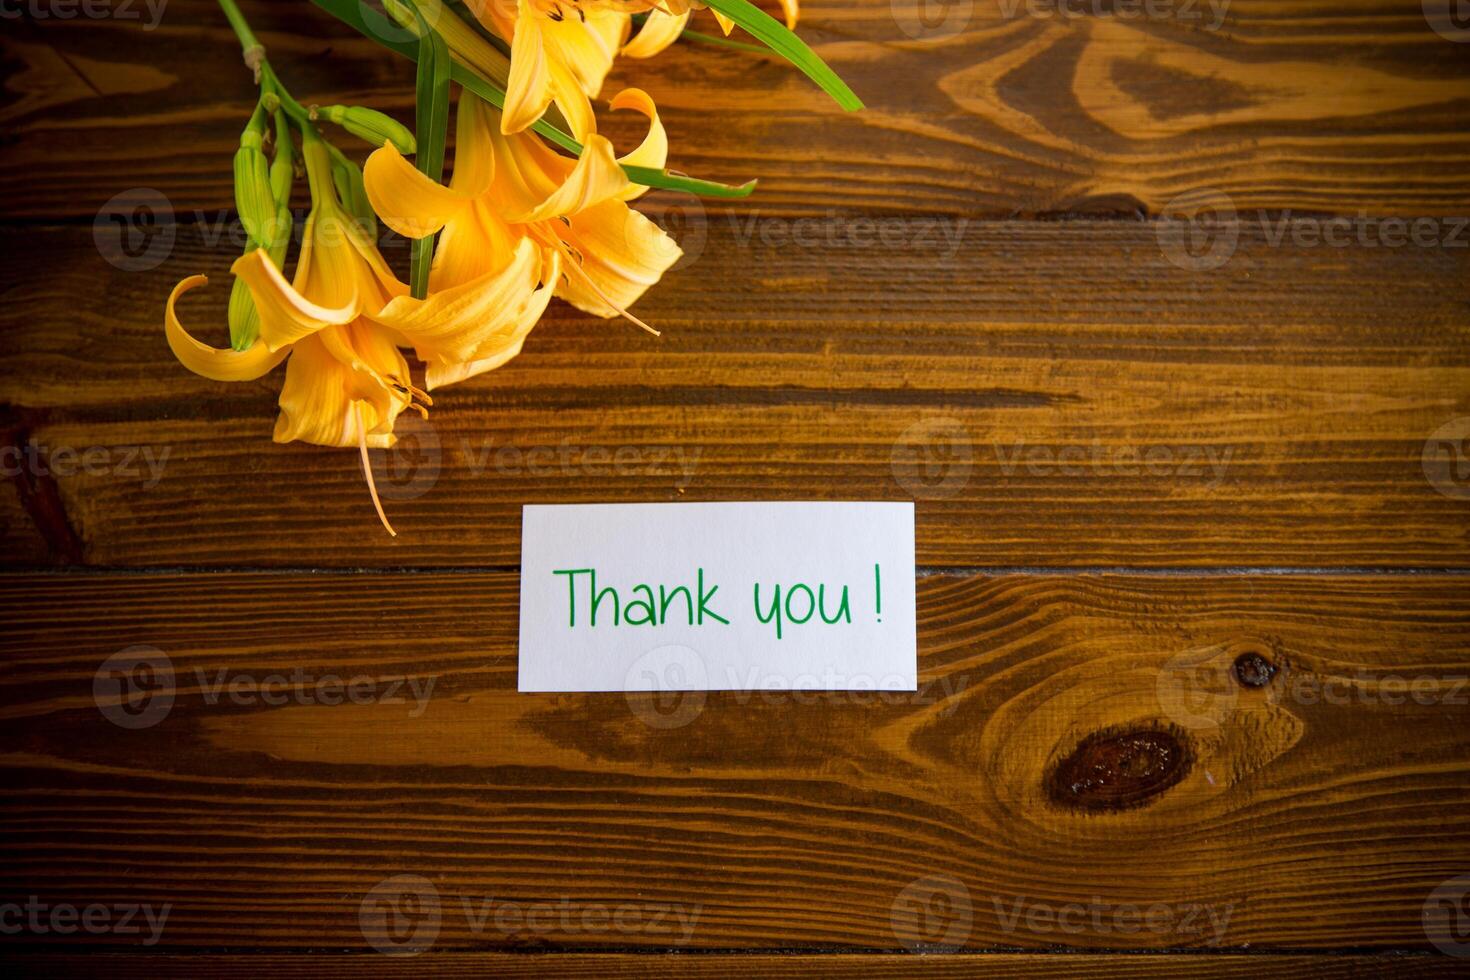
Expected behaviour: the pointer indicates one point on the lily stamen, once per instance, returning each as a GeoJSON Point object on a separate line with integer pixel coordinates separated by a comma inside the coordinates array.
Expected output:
{"type": "Point", "coordinates": [576, 263]}
{"type": "Point", "coordinates": [367, 471]}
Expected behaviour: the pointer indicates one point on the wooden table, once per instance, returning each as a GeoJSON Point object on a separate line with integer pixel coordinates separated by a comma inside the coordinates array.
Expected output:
{"type": "Point", "coordinates": [1121, 301]}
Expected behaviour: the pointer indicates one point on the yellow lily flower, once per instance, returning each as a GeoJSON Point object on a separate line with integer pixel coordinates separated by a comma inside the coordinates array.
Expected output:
{"type": "Point", "coordinates": [562, 50]}
{"type": "Point", "coordinates": [513, 193]}
{"type": "Point", "coordinates": [668, 18]}
{"type": "Point", "coordinates": [341, 322]}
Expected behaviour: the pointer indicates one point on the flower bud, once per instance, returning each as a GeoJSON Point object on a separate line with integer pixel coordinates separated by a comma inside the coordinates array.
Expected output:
{"type": "Point", "coordinates": [244, 318]}
{"type": "Point", "coordinates": [371, 125]}
{"type": "Point", "coordinates": [253, 197]}
{"type": "Point", "coordinates": [285, 224]}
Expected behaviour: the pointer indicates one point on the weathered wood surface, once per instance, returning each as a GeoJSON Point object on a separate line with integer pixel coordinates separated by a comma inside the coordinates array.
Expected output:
{"type": "Point", "coordinates": [979, 108]}
{"type": "Point", "coordinates": [1275, 763]}
{"type": "Point", "coordinates": [1003, 966]}
{"type": "Point", "coordinates": [1051, 394]}
{"type": "Point", "coordinates": [1319, 809]}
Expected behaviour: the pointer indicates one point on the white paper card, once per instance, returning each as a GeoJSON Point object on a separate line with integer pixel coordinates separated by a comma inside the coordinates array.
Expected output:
{"type": "Point", "coordinates": [718, 597]}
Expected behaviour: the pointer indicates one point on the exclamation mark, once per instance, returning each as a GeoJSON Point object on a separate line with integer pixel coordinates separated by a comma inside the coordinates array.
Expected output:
{"type": "Point", "coordinates": [878, 590]}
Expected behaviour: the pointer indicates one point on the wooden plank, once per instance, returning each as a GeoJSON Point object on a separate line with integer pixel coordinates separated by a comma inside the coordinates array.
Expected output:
{"type": "Point", "coordinates": [1317, 105]}
{"type": "Point", "coordinates": [1050, 393]}
{"type": "Point", "coordinates": [575, 965]}
{"type": "Point", "coordinates": [1269, 761]}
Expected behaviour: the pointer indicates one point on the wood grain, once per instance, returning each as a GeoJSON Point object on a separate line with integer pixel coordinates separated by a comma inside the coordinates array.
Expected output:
{"type": "Point", "coordinates": [1208, 763]}
{"type": "Point", "coordinates": [1051, 394]}
{"type": "Point", "coordinates": [777, 967]}
{"type": "Point", "coordinates": [1319, 810]}
{"type": "Point", "coordinates": [986, 111]}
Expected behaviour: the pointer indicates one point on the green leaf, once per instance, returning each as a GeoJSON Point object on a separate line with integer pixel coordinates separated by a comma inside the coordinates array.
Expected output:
{"type": "Point", "coordinates": [776, 36]}
{"type": "Point", "coordinates": [431, 120]}
{"type": "Point", "coordinates": [351, 13]}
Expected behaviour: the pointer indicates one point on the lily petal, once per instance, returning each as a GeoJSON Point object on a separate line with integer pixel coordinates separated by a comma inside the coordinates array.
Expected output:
{"type": "Point", "coordinates": [407, 200]}
{"type": "Point", "coordinates": [623, 253]}
{"type": "Point", "coordinates": [317, 403]}
{"type": "Point", "coordinates": [528, 90]}
{"type": "Point", "coordinates": [285, 315]}
{"type": "Point", "coordinates": [587, 43]}
{"type": "Point", "coordinates": [452, 324]}
{"type": "Point", "coordinates": [474, 157]}
{"type": "Point", "coordinates": [654, 150]}
{"type": "Point", "coordinates": [438, 374]}
{"type": "Point", "coordinates": [596, 178]}
{"type": "Point", "coordinates": [505, 344]}
{"type": "Point", "coordinates": [210, 362]}
{"type": "Point", "coordinates": [474, 244]}
{"type": "Point", "coordinates": [573, 102]}
{"type": "Point", "coordinates": [660, 30]}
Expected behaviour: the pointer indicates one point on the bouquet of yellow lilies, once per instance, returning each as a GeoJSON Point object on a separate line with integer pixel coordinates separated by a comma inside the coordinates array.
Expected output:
{"type": "Point", "coordinates": [537, 205]}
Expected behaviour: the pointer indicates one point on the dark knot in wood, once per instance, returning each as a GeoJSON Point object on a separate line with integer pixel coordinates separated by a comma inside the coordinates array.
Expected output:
{"type": "Point", "coordinates": [1253, 669]}
{"type": "Point", "coordinates": [1119, 770]}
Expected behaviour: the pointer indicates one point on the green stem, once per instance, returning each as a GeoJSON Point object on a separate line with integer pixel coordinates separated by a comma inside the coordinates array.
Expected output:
{"type": "Point", "coordinates": [294, 109]}
{"type": "Point", "coordinates": [269, 81]}
{"type": "Point", "coordinates": [238, 24]}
